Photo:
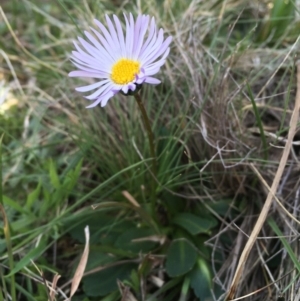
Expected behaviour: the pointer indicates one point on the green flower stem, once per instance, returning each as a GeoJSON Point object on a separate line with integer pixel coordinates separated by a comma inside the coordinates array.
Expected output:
{"type": "Point", "coordinates": [147, 125]}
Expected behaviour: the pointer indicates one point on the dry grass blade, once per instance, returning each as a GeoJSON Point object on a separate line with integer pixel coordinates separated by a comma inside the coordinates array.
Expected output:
{"type": "Point", "coordinates": [130, 198]}
{"type": "Point", "coordinates": [275, 197]}
{"type": "Point", "coordinates": [53, 287]}
{"type": "Point", "coordinates": [272, 192]}
{"type": "Point", "coordinates": [82, 263]}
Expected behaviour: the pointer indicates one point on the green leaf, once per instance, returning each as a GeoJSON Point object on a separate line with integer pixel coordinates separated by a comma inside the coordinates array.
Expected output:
{"type": "Point", "coordinates": [105, 281]}
{"type": "Point", "coordinates": [97, 259]}
{"type": "Point", "coordinates": [53, 175]}
{"type": "Point", "coordinates": [282, 15]}
{"type": "Point", "coordinates": [33, 196]}
{"type": "Point", "coordinates": [46, 195]}
{"type": "Point", "coordinates": [23, 223]}
{"type": "Point", "coordinates": [201, 280]}
{"type": "Point", "coordinates": [221, 207]}
{"type": "Point", "coordinates": [31, 255]}
{"type": "Point", "coordinates": [13, 204]}
{"type": "Point", "coordinates": [195, 224]}
{"type": "Point", "coordinates": [72, 176]}
{"type": "Point", "coordinates": [181, 257]}
{"type": "Point", "coordinates": [286, 244]}
{"type": "Point", "coordinates": [114, 296]}
{"type": "Point", "coordinates": [126, 240]}
{"type": "Point", "coordinates": [103, 230]}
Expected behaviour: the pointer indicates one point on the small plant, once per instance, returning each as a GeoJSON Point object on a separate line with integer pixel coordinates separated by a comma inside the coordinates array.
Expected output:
{"type": "Point", "coordinates": [152, 242]}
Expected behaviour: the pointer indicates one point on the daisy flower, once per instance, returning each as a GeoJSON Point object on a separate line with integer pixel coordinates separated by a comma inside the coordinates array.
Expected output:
{"type": "Point", "coordinates": [120, 63]}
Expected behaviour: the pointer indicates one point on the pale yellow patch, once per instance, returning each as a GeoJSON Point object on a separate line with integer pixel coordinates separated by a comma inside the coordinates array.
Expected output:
{"type": "Point", "coordinates": [7, 99]}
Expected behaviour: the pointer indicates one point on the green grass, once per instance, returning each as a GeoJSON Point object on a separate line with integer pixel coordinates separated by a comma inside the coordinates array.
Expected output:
{"type": "Point", "coordinates": [225, 101]}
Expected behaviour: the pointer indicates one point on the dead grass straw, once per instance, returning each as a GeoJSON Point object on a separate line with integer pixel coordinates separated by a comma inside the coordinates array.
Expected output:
{"type": "Point", "coordinates": [264, 212]}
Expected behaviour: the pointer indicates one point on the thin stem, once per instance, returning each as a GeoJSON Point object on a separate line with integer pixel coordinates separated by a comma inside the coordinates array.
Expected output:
{"type": "Point", "coordinates": [147, 125]}
{"type": "Point", "coordinates": [149, 132]}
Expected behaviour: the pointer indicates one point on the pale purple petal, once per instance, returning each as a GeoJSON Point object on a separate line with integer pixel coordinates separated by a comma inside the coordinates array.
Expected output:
{"type": "Point", "coordinates": [128, 87]}
{"type": "Point", "coordinates": [146, 50]}
{"type": "Point", "coordinates": [159, 51]}
{"type": "Point", "coordinates": [107, 35]}
{"type": "Point", "coordinates": [140, 80]}
{"type": "Point", "coordinates": [158, 63]}
{"type": "Point", "coordinates": [92, 86]}
{"type": "Point", "coordinates": [84, 74]}
{"type": "Point", "coordinates": [136, 34]}
{"type": "Point", "coordinates": [132, 87]}
{"type": "Point", "coordinates": [140, 36]}
{"type": "Point", "coordinates": [152, 81]}
{"type": "Point", "coordinates": [89, 61]}
{"type": "Point", "coordinates": [105, 44]}
{"type": "Point", "coordinates": [89, 48]}
{"type": "Point", "coordinates": [106, 98]}
{"type": "Point", "coordinates": [114, 36]}
{"type": "Point", "coordinates": [151, 71]}
{"type": "Point", "coordinates": [154, 44]}
{"type": "Point", "coordinates": [152, 33]}
{"type": "Point", "coordinates": [120, 35]}
{"type": "Point", "coordinates": [95, 103]}
{"type": "Point", "coordinates": [101, 90]}
{"type": "Point", "coordinates": [129, 35]}
{"type": "Point", "coordinates": [101, 100]}
{"type": "Point", "coordinates": [107, 41]}
{"type": "Point", "coordinates": [86, 67]}
{"type": "Point", "coordinates": [125, 89]}
{"type": "Point", "coordinates": [102, 53]}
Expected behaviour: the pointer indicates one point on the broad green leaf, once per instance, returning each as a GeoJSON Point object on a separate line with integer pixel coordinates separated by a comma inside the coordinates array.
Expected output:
{"type": "Point", "coordinates": [126, 240]}
{"type": "Point", "coordinates": [181, 257]}
{"type": "Point", "coordinates": [221, 207]}
{"type": "Point", "coordinates": [114, 296]}
{"type": "Point", "coordinates": [201, 280]}
{"type": "Point", "coordinates": [53, 175]}
{"type": "Point", "coordinates": [81, 297]}
{"type": "Point", "coordinates": [97, 259]}
{"type": "Point", "coordinates": [195, 224]}
{"type": "Point", "coordinates": [103, 230]}
{"type": "Point", "coordinates": [105, 281]}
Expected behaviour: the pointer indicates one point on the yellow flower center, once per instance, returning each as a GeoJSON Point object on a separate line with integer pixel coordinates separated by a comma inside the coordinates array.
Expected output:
{"type": "Point", "coordinates": [124, 71]}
